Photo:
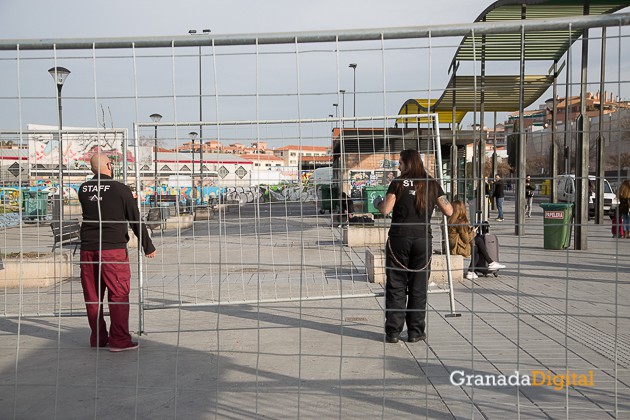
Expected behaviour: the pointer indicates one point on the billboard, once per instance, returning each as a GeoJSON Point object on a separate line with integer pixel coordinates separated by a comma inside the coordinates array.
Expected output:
{"type": "Point", "coordinates": [79, 144]}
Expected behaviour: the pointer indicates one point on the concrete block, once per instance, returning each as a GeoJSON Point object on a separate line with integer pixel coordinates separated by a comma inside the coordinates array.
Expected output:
{"type": "Point", "coordinates": [203, 214]}
{"type": "Point", "coordinates": [133, 240]}
{"type": "Point", "coordinates": [365, 236]}
{"type": "Point", "coordinates": [36, 271]}
{"type": "Point", "coordinates": [183, 221]}
{"type": "Point", "coordinates": [375, 267]}
{"type": "Point", "coordinates": [439, 273]}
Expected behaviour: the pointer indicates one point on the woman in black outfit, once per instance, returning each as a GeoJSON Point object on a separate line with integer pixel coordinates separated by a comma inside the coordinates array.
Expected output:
{"type": "Point", "coordinates": [412, 196]}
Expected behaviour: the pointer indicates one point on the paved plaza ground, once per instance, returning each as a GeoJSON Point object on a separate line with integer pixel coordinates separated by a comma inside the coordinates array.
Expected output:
{"type": "Point", "coordinates": [244, 320]}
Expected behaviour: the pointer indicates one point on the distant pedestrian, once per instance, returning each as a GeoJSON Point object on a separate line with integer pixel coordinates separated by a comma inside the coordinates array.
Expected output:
{"type": "Point", "coordinates": [624, 206]}
{"type": "Point", "coordinates": [347, 208]}
{"type": "Point", "coordinates": [108, 208]}
{"type": "Point", "coordinates": [499, 196]}
{"type": "Point", "coordinates": [412, 196]}
{"type": "Point", "coordinates": [530, 190]}
{"type": "Point", "coordinates": [487, 189]}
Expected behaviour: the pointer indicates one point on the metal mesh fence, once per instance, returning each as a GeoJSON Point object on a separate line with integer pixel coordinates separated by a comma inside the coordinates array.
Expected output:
{"type": "Point", "coordinates": [266, 295]}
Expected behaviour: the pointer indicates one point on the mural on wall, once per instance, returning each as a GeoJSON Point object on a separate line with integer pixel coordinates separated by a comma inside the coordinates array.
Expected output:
{"type": "Point", "coordinates": [79, 146]}
{"type": "Point", "coordinates": [185, 195]}
{"type": "Point", "coordinates": [359, 179]}
{"type": "Point", "coordinates": [305, 176]}
{"type": "Point", "coordinates": [271, 193]}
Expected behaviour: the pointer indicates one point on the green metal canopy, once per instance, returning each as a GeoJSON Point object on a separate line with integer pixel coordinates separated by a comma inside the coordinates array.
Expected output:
{"type": "Point", "coordinates": [547, 45]}
{"type": "Point", "coordinates": [501, 94]}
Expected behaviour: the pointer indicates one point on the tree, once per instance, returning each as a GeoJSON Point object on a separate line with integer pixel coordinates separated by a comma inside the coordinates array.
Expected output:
{"type": "Point", "coordinates": [620, 161]}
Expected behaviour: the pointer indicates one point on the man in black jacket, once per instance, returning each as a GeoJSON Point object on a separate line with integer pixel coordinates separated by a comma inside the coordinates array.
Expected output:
{"type": "Point", "coordinates": [108, 208]}
{"type": "Point", "coordinates": [499, 196]}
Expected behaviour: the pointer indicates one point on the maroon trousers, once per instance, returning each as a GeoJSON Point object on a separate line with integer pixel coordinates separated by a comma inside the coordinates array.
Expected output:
{"type": "Point", "coordinates": [100, 270]}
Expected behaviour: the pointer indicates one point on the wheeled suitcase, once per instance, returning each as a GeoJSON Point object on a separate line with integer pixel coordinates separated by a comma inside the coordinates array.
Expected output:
{"type": "Point", "coordinates": [492, 245]}
{"type": "Point", "coordinates": [617, 227]}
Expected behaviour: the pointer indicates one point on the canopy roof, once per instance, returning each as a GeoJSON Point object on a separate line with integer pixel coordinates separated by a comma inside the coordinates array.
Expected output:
{"type": "Point", "coordinates": [547, 45]}
{"type": "Point", "coordinates": [501, 94]}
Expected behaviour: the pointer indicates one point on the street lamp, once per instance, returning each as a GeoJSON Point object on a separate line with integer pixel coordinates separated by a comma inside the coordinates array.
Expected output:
{"type": "Point", "coordinates": [343, 105]}
{"type": "Point", "coordinates": [331, 126]}
{"type": "Point", "coordinates": [354, 91]}
{"type": "Point", "coordinates": [203, 32]}
{"type": "Point", "coordinates": [156, 119]}
{"type": "Point", "coordinates": [336, 112]}
{"type": "Point", "coordinates": [59, 75]}
{"type": "Point", "coordinates": [193, 136]}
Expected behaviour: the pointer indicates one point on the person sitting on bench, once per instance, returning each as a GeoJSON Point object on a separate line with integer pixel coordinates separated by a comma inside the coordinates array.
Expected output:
{"type": "Point", "coordinates": [461, 236]}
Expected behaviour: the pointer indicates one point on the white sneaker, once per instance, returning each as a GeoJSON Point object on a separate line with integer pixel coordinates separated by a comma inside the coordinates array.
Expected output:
{"type": "Point", "coordinates": [471, 275]}
{"type": "Point", "coordinates": [494, 266]}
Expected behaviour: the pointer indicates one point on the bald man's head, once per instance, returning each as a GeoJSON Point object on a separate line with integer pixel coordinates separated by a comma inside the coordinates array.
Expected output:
{"type": "Point", "coordinates": [100, 164]}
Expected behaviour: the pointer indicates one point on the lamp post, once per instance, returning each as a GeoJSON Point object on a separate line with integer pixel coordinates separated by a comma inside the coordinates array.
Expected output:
{"type": "Point", "coordinates": [343, 105]}
{"type": "Point", "coordinates": [203, 32]}
{"type": "Point", "coordinates": [353, 66]}
{"type": "Point", "coordinates": [336, 113]}
{"type": "Point", "coordinates": [156, 119]}
{"type": "Point", "coordinates": [59, 75]}
{"type": "Point", "coordinates": [193, 136]}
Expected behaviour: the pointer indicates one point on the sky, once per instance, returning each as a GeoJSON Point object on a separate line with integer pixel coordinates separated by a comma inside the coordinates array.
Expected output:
{"type": "Point", "coordinates": [80, 18]}
{"type": "Point", "coordinates": [114, 88]}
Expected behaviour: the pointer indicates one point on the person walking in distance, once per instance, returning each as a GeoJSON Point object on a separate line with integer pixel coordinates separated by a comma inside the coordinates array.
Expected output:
{"type": "Point", "coordinates": [412, 196]}
{"type": "Point", "coordinates": [530, 190]}
{"type": "Point", "coordinates": [487, 191]}
{"type": "Point", "coordinates": [108, 207]}
{"type": "Point", "coordinates": [624, 206]}
{"type": "Point", "coordinates": [499, 196]}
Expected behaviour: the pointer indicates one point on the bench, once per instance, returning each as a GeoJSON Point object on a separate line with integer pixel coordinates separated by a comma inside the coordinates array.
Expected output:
{"type": "Point", "coordinates": [155, 219]}
{"type": "Point", "coordinates": [69, 235]}
{"type": "Point", "coordinates": [166, 198]}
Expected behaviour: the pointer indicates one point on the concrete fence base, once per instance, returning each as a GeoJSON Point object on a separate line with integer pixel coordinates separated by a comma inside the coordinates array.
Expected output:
{"type": "Point", "coordinates": [42, 271]}
{"type": "Point", "coordinates": [365, 236]}
{"type": "Point", "coordinates": [375, 267]}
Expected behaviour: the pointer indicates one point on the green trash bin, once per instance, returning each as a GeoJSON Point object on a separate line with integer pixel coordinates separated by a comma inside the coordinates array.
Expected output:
{"type": "Point", "coordinates": [370, 194]}
{"type": "Point", "coordinates": [34, 204]}
{"type": "Point", "coordinates": [328, 197]}
{"type": "Point", "coordinates": [557, 225]}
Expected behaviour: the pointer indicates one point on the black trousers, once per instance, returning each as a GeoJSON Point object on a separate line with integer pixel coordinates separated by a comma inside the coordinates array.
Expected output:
{"type": "Point", "coordinates": [479, 251]}
{"type": "Point", "coordinates": [406, 291]}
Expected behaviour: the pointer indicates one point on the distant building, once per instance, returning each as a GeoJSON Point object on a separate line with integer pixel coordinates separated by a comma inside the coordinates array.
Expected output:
{"type": "Point", "coordinates": [292, 155]}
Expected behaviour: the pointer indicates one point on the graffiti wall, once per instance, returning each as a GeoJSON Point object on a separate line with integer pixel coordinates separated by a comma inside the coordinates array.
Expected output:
{"type": "Point", "coordinates": [271, 193]}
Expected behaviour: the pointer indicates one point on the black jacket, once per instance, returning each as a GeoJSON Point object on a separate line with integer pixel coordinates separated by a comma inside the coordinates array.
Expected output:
{"type": "Point", "coordinates": [109, 205]}
{"type": "Point", "coordinates": [498, 189]}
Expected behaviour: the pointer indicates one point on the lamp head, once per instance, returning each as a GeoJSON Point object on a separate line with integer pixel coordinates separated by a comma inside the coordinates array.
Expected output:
{"type": "Point", "coordinates": [353, 65]}
{"type": "Point", "coordinates": [59, 74]}
{"type": "Point", "coordinates": [155, 118]}
{"type": "Point", "coordinates": [193, 135]}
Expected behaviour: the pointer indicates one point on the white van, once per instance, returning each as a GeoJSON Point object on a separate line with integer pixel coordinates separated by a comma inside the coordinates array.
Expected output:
{"type": "Point", "coordinates": [566, 193]}
{"type": "Point", "coordinates": [322, 175]}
